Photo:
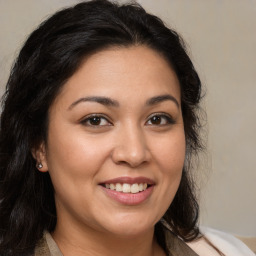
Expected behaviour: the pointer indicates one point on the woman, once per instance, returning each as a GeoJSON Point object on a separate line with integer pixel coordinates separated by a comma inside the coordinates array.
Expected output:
{"type": "Point", "coordinates": [100, 121]}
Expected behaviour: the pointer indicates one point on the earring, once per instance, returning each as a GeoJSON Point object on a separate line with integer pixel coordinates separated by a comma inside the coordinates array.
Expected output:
{"type": "Point", "coordinates": [40, 166]}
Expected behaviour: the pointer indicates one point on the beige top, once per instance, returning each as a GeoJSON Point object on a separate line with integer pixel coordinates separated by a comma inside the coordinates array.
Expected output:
{"type": "Point", "coordinates": [226, 243]}
{"type": "Point", "coordinates": [48, 247]}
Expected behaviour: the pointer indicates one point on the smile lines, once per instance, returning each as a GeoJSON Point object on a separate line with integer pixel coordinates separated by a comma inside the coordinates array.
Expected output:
{"type": "Point", "coordinates": [127, 188]}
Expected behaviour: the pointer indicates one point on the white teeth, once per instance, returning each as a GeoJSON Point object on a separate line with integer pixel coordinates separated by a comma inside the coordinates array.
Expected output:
{"type": "Point", "coordinates": [127, 188]}
{"type": "Point", "coordinates": [135, 188]}
{"type": "Point", "coordinates": [119, 187]}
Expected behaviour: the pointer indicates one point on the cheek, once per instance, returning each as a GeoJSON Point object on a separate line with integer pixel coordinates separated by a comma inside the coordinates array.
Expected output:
{"type": "Point", "coordinates": [170, 153]}
{"type": "Point", "coordinates": [170, 158]}
{"type": "Point", "coordinates": [73, 151]}
{"type": "Point", "coordinates": [73, 160]}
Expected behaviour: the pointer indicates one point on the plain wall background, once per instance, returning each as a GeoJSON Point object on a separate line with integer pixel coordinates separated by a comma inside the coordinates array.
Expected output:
{"type": "Point", "coordinates": [221, 35]}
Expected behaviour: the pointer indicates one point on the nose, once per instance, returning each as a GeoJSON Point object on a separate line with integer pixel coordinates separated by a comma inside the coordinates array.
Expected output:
{"type": "Point", "coordinates": [131, 147]}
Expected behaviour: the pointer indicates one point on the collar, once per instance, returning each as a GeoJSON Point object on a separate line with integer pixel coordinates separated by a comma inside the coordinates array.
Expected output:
{"type": "Point", "coordinates": [176, 247]}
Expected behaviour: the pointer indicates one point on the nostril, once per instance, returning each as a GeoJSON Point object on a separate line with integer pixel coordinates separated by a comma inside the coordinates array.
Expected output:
{"type": "Point", "coordinates": [122, 163]}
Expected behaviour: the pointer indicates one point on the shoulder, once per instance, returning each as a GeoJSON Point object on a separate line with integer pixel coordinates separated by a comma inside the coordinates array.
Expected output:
{"type": "Point", "coordinates": [226, 243]}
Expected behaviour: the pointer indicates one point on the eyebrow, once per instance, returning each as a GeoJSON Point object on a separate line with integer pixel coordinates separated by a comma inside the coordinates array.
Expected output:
{"type": "Point", "coordinates": [161, 98]}
{"type": "Point", "coordinates": [102, 100]}
{"type": "Point", "coordinates": [113, 103]}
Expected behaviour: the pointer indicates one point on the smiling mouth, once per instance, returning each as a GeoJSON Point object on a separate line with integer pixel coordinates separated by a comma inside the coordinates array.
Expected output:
{"type": "Point", "coordinates": [127, 188]}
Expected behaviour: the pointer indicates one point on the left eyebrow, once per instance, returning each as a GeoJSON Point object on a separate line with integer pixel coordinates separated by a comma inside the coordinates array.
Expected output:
{"type": "Point", "coordinates": [161, 98]}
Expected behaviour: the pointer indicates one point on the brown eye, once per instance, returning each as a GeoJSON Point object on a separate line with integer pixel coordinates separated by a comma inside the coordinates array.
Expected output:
{"type": "Point", "coordinates": [156, 120]}
{"type": "Point", "coordinates": [160, 119]}
{"type": "Point", "coordinates": [96, 121]}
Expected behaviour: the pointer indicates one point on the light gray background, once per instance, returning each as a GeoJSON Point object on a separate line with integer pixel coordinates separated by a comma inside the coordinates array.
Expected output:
{"type": "Point", "coordinates": [221, 35]}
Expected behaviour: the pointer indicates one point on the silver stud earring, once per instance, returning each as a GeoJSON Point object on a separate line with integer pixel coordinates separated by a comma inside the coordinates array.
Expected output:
{"type": "Point", "coordinates": [40, 166]}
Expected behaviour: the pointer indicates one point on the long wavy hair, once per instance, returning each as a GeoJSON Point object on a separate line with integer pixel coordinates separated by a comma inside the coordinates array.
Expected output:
{"type": "Point", "coordinates": [49, 57]}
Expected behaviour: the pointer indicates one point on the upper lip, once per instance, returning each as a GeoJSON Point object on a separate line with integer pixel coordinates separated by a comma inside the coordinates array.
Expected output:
{"type": "Point", "coordinates": [129, 180]}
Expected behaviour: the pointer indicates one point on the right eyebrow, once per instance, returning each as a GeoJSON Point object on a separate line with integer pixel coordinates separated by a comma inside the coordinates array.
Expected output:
{"type": "Point", "coordinates": [98, 99]}
{"type": "Point", "coordinates": [161, 98]}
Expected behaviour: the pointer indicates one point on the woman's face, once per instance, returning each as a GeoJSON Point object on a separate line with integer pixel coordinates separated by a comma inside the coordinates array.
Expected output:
{"type": "Point", "coordinates": [116, 143]}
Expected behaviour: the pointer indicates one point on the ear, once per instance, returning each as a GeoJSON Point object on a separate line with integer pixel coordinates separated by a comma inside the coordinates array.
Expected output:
{"type": "Point", "coordinates": [39, 155]}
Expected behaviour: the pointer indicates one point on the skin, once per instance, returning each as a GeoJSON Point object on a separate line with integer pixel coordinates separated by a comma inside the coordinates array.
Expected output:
{"type": "Point", "coordinates": [126, 142]}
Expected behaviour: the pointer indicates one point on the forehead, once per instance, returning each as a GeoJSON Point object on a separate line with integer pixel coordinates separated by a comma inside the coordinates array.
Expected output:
{"type": "Point", "coordinates": [133, 72]}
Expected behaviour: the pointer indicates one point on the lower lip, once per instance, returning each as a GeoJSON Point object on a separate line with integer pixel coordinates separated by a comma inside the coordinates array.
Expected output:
{"type": "Point", "coordinates": [129, 198]}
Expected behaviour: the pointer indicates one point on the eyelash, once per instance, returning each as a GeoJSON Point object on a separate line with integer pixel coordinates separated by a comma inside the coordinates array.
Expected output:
{"type": "Point", "coordinates": [99, 118]}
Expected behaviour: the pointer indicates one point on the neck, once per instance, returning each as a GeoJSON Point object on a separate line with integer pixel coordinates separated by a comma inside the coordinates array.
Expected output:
{"type": "Point", "coordinates": [92, 243]}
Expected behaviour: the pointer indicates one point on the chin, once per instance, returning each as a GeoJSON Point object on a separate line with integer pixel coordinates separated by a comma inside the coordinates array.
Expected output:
{"type": "Point", "coordinates": [131, 231]}
{"type": "Point", "coordinates": [130, 225]}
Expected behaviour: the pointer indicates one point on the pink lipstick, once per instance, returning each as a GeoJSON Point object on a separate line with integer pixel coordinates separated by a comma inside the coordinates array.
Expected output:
{"type": "Point", "coordinates": [128, 190]}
